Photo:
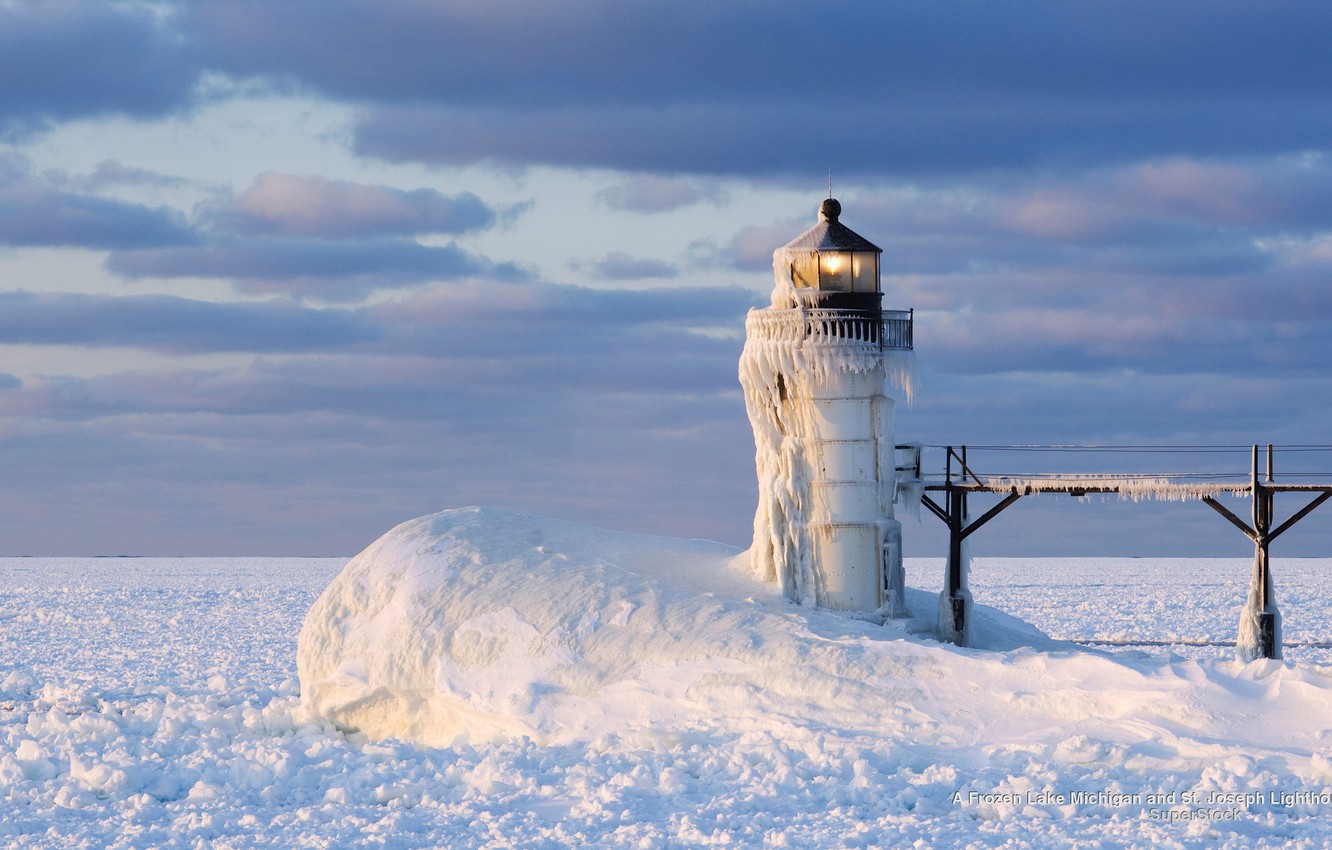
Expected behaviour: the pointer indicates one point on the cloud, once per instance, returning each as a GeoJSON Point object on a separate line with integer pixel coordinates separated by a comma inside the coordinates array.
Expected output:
{"type": "Point", "coordinates": [63, 60]}
{"type": "Point", "coordinates": [1171, 267]}
{"type": "Point", "coordinates": [539, 337]}
{"type": "Point", "coordinates": [298, 236]}
{"type": "Point", "coordinates": [303, 236]}
{"type": "Point", "coordinates": [320, 456]}
{"type": "Point", "coordinates": [110, 172]}
{"type": "Point", "coordinates": [310, 205]}
{"type": "Point", "coordinates": [656, 193]}
{"type": "Point", "coordinates": [617, 265]}
{"type": "Point", "coordinates": [555, 322]}
{"type": "Point", "coordinates": [943, 87]}
{"type": "Point", "coordinates": [1145, 236]}
{"type": "Point", "coordinates": [581, 307]}
{"type": "Point", "coordinates": [33, 214]}
{"type": "Point", "coordinates": [599, 53]}
{"type": "Point", "coordinates": [1166, 195]}
{"type": "Point", "coordinates": [948, 87]}
{"type": "Point", "coordinates": [587, 403]}
{"type": "Point", "coordinates": [627, 423]}
{"type": "Point", "coordinates": [333, 270]}
{"type": "Point", "coordinates": [605, 405]}
{"type": "Point", "coordinates": [751, 248]}
{"type": "Point", "coordinates": [177, 325]}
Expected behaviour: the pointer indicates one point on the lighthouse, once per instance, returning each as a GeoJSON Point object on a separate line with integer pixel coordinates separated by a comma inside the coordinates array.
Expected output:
{"type": "Point", "coordinates": [814, 371]}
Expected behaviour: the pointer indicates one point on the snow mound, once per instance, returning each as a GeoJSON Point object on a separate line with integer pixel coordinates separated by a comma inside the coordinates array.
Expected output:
{"type": "Point", "coordinates": [482, 624]}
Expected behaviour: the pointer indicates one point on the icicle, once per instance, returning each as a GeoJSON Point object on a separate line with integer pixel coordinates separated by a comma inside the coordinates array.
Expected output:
{"type": "Point", "coordinates": [1249, 642]}
{"type": "Point", "coordinates": [909, 493]}
{"type": "Point", "coordinates": [899, 366]}
{"type": "Point", "coordinates": [1162, 488]}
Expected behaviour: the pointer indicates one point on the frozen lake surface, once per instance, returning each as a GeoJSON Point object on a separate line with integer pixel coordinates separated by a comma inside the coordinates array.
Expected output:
{"type": "Point", "coordinates": [154, 703]}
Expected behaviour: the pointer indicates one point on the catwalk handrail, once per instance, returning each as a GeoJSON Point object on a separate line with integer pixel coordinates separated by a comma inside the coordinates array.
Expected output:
{"type": "Point", "coordinates": [896, 328]}
{"type": "Point", "coordinates": [962, 472]}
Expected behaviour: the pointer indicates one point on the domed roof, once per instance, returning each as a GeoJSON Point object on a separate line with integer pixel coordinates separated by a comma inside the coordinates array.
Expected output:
{"type": "Point", "coordinates": [830, 234]}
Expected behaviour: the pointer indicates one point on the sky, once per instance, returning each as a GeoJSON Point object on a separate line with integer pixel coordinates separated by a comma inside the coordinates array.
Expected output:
{"type": "Point", "coordinates": [276, 276]}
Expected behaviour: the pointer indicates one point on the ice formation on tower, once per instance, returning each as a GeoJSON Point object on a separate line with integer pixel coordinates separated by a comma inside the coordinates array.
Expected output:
{"type": "Point", "coordinates": [813, 370]}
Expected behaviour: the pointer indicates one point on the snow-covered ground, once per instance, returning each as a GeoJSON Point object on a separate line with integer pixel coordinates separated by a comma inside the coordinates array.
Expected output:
{"type": "Point", "coordinates": [154, 703]}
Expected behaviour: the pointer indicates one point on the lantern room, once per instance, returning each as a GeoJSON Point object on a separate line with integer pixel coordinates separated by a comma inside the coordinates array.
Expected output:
{"type": "Point", "coordinates": [833, 266]}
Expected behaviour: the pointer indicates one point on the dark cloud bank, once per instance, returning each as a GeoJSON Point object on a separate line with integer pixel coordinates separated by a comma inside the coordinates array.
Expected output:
{"type": "Point", "coordinates": [771, 88]}
{"type": "Point", "coordinates": [747, 88]}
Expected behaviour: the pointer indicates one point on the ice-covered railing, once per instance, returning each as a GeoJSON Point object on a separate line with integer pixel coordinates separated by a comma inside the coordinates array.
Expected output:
{"type": "Point", "coordinates": [1118, 470]}
{"type": "Point", "coordinates": [1161, 487]}
{"type": "Point", "coordinates": [821, 324]}
{"type": "Point", "coordinates": [819, 341]}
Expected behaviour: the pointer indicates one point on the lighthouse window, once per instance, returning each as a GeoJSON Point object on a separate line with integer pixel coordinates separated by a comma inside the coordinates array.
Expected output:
{"type": "Point", "coordinates": [835, 271]}
{"type": "Point", "coordinates": [805, 271]}
{"type": "Point", "coordinates": [864, 272]}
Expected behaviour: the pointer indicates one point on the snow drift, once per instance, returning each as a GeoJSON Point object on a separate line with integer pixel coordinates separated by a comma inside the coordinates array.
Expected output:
{"type": "Point", "coordinates": [483, 624]}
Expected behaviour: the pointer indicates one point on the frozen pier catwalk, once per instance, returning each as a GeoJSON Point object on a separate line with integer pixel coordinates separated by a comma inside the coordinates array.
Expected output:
{"type": "Point", "coordinates": [1260, 621]}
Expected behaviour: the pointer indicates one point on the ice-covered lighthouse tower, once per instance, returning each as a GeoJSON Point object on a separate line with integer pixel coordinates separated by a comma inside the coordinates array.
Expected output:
{"type": "Point", "coordinates": [813, 369]}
